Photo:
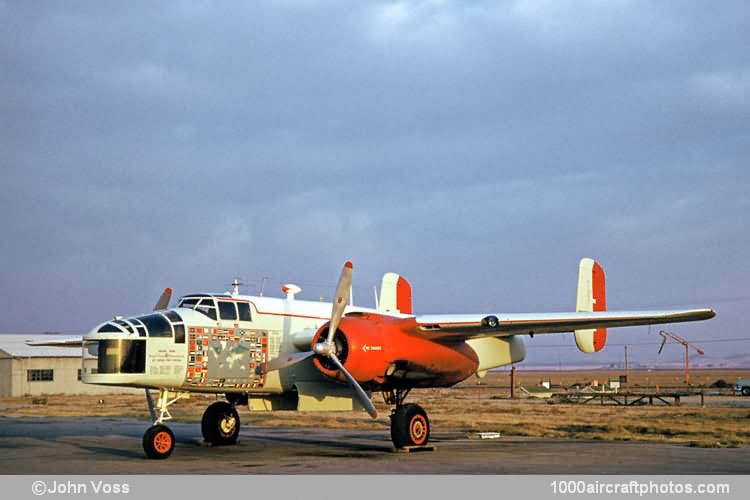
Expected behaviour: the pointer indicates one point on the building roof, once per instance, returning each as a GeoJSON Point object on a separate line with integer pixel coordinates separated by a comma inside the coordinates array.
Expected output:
{"type": "Point", "coordinates": [14, 345]}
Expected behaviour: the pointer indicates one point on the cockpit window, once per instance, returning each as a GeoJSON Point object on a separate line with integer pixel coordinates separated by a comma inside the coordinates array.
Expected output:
{"type": "Point", "coordinates": [125, 326]}
{"type": "Point", "coordinates": [109, 327]}
{"type": "Point", "coordinates": [244, 309]}
{"type": "Point", "coordinates": [188, 303]}
{"type": "Point", "coordinates": [227, 311]}
{"type": "Point", "coordinates": [178, 325]}
{"type": "Point", "coordinates": [138, 326]}
{"type": "Point", "coordinates": [206, 306]}
{"type": "Point", "coordinates": [157, 325]}
{"type": "Point", "coordinates": [179, 334]}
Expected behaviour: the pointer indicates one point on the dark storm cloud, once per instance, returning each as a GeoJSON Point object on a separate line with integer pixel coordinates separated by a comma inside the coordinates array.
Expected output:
{"type": "Point", "coordinates": [479, 148]}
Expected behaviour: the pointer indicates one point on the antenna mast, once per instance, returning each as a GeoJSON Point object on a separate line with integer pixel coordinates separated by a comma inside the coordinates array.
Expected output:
{"type": "Point", "coordinates": [236, 284]}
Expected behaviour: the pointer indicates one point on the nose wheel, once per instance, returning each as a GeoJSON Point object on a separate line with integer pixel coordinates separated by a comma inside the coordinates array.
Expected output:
{"type": "Point", "coordinates": [158, 441]}
{"type": "Point", "coordinates": [220, 424]}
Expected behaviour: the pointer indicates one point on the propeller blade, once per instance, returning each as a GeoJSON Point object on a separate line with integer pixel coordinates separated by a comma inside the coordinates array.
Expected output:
{"type": "Point", "coordinates": [364, 400]}
{"type": "Point", "coordinates": [287, 360]}
{"type": "Point", "coordinates": [343, 289]}
{"type": "Point", "coordinates": [163, 302]}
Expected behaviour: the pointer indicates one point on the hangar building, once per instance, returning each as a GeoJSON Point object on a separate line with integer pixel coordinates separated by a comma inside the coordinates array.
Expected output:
{"type": "Point", "coordinates": [33, 371]}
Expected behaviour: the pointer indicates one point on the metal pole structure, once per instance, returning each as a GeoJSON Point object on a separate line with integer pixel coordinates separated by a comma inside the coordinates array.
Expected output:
{"type": "Point", "coordinates": [627, 368]}
{"type": "Point", "coordinates": [665, 334]}
{"type": "Point", "coordinates": [513, 382]}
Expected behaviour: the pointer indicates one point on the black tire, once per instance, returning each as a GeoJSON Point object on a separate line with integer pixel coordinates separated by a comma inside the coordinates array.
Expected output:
{"type": "Point", "coordinates": [746, 391]}
{"type": "Point", "coordinates": [158, 442]}
{"type": "Point", "coordinates": [410, 426]}
{"type": "Point", "coordinates": [220, 424]}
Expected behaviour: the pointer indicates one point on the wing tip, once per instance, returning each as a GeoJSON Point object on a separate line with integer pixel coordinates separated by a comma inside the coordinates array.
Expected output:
{"type": "Point", "coordinates": [709, 313]}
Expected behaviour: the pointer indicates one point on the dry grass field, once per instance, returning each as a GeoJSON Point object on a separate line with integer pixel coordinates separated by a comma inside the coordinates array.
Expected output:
{"type": "Point", "coordinates": [469, 408]}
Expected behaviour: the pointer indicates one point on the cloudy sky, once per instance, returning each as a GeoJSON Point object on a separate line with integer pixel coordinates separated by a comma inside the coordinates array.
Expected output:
{"type": "Point", "coordinates": [478, 148]}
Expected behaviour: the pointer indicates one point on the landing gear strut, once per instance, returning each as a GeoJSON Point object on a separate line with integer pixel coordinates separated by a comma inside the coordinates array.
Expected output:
{"type": "Point", "coordinates": [410, 425]}
{"type": "Point", "coordinates": [158, 440]}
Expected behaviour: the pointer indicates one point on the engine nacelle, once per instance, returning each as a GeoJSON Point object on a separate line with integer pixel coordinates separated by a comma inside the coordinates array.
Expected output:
{"type": "Point", "coordinates": [386, 351]}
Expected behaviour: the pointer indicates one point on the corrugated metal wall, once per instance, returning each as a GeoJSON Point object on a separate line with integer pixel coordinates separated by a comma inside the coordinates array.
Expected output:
{"type": "Point", "coordinates": [14, 377]}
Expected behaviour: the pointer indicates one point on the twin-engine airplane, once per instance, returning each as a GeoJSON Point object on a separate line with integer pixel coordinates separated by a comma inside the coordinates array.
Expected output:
{"type": "Point", "coordinates": [286, 354]}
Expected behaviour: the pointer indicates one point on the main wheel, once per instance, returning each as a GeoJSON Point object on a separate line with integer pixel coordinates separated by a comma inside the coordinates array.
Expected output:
{"type": "Point", "coordinates": [410, 426]}
{"type": "Point", "coordinates": [158, 441]}
{"type": "Point", "coordinates": [220, 424]}
{"type": "Point", "coordinates": [746, 391]}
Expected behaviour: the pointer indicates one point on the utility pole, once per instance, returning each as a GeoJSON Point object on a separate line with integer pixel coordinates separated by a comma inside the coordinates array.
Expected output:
{"type": "Point", "coordinates": [627, 368]}
{"type": "Point", "coordinates": [665, 335]}
{"type": "Point", "coordinates": [512, 382]}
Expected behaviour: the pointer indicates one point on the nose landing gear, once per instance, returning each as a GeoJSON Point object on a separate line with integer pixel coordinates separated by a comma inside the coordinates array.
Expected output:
{"type": "Point", "coordinates": [158, 440]}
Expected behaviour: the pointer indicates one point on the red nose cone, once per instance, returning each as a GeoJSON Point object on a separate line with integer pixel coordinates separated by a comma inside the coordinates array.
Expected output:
{"type": "Point", "coordinates": [348, 264]}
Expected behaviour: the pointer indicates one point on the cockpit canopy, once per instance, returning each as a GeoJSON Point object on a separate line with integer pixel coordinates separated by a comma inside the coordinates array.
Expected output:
{"type": "Point", "coordinates": [228, 309]}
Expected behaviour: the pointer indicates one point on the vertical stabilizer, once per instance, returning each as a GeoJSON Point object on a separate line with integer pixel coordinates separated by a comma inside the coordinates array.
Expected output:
{"type": "Point", "coordinates": [591, 297]}
{"type": "Point", "coordinates": [395, 294]}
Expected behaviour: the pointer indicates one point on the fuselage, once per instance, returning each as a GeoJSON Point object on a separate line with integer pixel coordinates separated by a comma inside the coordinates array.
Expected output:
{"type": "Point", "coordinates": [222, 342]}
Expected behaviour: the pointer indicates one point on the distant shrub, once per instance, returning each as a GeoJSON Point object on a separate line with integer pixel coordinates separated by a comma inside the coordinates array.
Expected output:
{"type": "Point", "coordinates": [721, 384]}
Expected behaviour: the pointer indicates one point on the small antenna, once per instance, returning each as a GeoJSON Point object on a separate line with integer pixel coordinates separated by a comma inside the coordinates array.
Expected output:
{"type": "Point", "coordinates": [236, 284]}
{"type": "Point", "coordinates": [375, 294]}
{"type": "Point", "coordinates": [262, 285]}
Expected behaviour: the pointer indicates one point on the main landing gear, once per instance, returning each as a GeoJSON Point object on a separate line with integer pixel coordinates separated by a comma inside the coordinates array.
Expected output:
{"type": "Point", "coordinates": [220, 424]}
{"type": "Point", "coordinates": [410, 425]}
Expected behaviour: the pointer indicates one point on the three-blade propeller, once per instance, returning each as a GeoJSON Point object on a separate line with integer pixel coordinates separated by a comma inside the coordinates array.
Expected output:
{"type": "Point", "coordinates": [327, 348]}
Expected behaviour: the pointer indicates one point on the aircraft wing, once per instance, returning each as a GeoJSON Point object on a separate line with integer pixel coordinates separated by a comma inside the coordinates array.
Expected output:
{"type": "Point", "coordinates": [72, 342]}
{"type": "Point", "coordinates": [464, 326]}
